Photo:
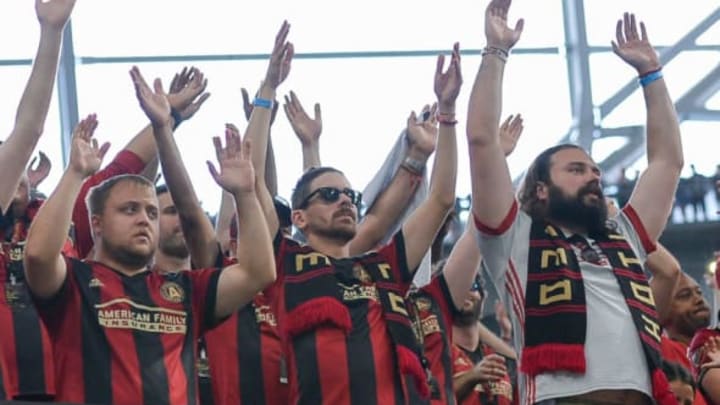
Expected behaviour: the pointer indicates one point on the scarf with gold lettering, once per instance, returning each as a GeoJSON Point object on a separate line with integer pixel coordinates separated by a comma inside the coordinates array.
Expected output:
{"type": "Point", "coordinates": [313, 298]}
{"type": "Point", "coordinates": [555, 312]}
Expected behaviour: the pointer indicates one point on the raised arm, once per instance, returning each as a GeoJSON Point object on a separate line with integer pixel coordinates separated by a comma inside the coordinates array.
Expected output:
{"type": "Point", "coordinates": [197, 228]}
{"type": "Point", "coordinates": [35, 101]}
{"type": "Point", "coordinates": [654, 192]}
{"type": "Point", "coordinates": [488, 168]}
{"type": "Point", "coordinates": [393, 201]}
{"type": "Point", "coordinates": [259, 125]}
{"type": "Point", "coordinates": [45, 268]}
{"type": "Point", "coordinates": [270, 167]}
{"type": "Point", "coordinates": [255, 268]}
{"type": "Point", "coordinates": [425, 222]}
{"type": "Point", "coordinates": [306, 129]}
{"type": "Point", "coordinates": [666, 273]}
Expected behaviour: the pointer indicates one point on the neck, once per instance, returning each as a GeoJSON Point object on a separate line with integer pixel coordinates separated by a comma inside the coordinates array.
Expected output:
{"type": "Point", "coordinates": [677, 336]}
{"type": "Point", "coordinates": [467, 337]}
{"type": "Point", "coordinates": [329, 247]}
{"type": "Point", "coordinates": [100, 255]}
{"type": "Point", "coordinates": [171, 264]}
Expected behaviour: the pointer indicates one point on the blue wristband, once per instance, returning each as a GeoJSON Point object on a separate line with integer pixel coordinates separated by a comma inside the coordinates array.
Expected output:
{"type": "Point", "coordinates": [176, 117]}
{"type": "Point", "coordinates": [264, 103]}
{"type": "Point", "coordinates": [650, 77]}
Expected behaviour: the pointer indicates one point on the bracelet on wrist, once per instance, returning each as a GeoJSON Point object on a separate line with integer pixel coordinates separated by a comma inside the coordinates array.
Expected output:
{"type": "Point", "coordinates": [414, 166]}
{"type": "Point", "coordinates": [500, 53]}
{"type": "Point", "coordinates": [649, 77]}
{"type": "Point", "coordinates": [263, 103]}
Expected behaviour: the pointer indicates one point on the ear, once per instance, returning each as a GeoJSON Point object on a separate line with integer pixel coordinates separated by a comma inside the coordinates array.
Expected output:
{"type": "Point", "coordinates": [96, 225]}
{"type": "Point", "coordinates": [298, 219]}
{"type": "Point", "coordinates": [541, 191]}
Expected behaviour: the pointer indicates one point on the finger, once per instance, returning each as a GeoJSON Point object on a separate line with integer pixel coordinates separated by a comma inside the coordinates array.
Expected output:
{"type": "Point", "coordinates": [289, 108]}
{"type": "Point", "coordinates": [43, 156]}
{"type": "Point", "coordinates": [412, 119]}
{"type": "Point", "coordinates": [318, 113]}
{"type": "Point", "coordinates": [643, 32]}
{"type": "Point", "coordinates": [245, 97]}
{"type": "Point", "coordinates": [213, 171]}
{"type": "Point", "coordinates": [218, 147]}
{"type": "Point", "coordinates": [288, 114]}
{"type": "Point", "coordinates": [138, 79]}
{"type": "Point", "coordinates": [158, 87]}
{"type": "Point", "coordinates": [619, 32]}
{"type": "Point", "coordinates": [103, 150]}
{"type": "Point", "coordinates": [281, 35]}
{"type": "Point", "coordinates": [433, 110]}
{"type": "Point", "coordinates": [506, 123]}
{"type": "Point", "coordinates": [626, 26]}
{"type": "Point", "coordinates": [232, 127]}
{"type": "Point", "coordinates": [439, 65]}
{"type": "Point", "coordinates": [94, 144]}
{"type": "Point", "coordinates": [456, 51]}
{"type": "Point", "coordinates": [202, 100]}
{"type": "Point", "coordinates": [296, 102]}
{"type": "Point", "coordinates": [633, 27]}
{"type": "Point", "coordinates": [32, 162]}
{"type": "Point", "coordinates": [520, 26]}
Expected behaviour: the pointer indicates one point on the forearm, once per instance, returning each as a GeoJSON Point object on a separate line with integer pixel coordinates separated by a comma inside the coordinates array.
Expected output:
{"type": "Point", "coordinates": [255, 248]}
{"type": "Point", "coordinates": [498, 344]}
{"type": "Point", "coordinates": [444, 172]}
{"type": "Point", "coordinates": [462, 265]}
{"type": "Point", "coordinates": [271, 169]}
{"type": "Point", "coordinates": [663, 131]}
{"type": "Point", "coordinates": [464, 383]}
{"type": "Point", "coordinates": [258, 132]}
{"type": "Point", "coordinates": [311, 155]}
{"type": "Point", "coordinates": [386, 210]}
{"type": "Point", "coordinates": [665, 271]}
{"type": "Point", "coordinates": [224, 220]}
{"type": "Point", "coordinates": [30, 117]}
{"type": "Point", "coordinates": [49, 230]}
{"type": "Point", "coordinates": [143, 144]}
{"type": "Point", "coordinates": [485, 104]}
{"type": "Point", "coordinates": [196, 226]}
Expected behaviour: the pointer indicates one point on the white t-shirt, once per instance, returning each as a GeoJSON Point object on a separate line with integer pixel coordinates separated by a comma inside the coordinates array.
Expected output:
{"type": "Point", "coordinates": [613, 352]}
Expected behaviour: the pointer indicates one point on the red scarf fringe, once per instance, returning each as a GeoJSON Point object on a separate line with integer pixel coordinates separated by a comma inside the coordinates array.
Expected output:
{"type": "Point", "coordinates": [410, 364]}
{"type": "Point", "coordinates": [550, 357]}
{"type": "Point", "coordinates": [310, 314]}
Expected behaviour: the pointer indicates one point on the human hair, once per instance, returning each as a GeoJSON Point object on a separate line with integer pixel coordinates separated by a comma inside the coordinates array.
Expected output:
{"type": "Point", "coordinates": [676, 372]}
{"type": "Point", "coordinates": [302, 187]}
{"type": "Point", "coordinates": [98, 195]}
{"type": "Point", "coordinates": [161, 189]}
{"type": "Point", "coordinates": [538, 172]}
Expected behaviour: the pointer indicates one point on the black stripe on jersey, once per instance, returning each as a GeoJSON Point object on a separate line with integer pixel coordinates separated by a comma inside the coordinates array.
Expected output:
{"type": "Point", "coordinates": [360, 357]}
{"type": "Point", "coordinates": [2, 385]}
{"type": "Point", "coordinates": [29, 352]}
{"type": "Point", "coordinates": [309, 380]}
{"type": "Point", "coordinates": [96, 352]}
{"type": "Point", "coordinates": [189, 354]}
{"type": "Point", "coordinates": [249, 344]}
{"type": "Point", "coordinates": [149, 348]}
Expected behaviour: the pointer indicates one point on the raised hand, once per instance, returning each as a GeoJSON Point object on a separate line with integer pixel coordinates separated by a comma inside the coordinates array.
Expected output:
{"type": "Point", "coordinates": [497, 31]}
{"type": "Point", "coordinates": [155, 103]}
{"type": "Point", "coordinates": [510, 132]}
{"type": "Point", "coordinates": [236, 173]}
{"type": "Point", "coordinates": [282, 53]}
{"type": "Point", "coordinates": [38, 174]}
{"type": "Point", "coordinates": [634, 48]}
{"type": "Point", "coordinates": [712, 352]}
{"type": "Point", "coordinates": [423, 134]}
{"type": "Point", "coordinates": [54, 13]}
{"type": "Point", "coordinates": [187, 92]}
{"type": "Point", "coordinates": [491, 368]}
{"type": "Point", "coordinates": [447, 85]}
{"type": "Point", "coordinates": [307, 129]}
{"type": "Point", "coordinates": [248, 106]}
{"type": "Point", "coordinates": [85, 155]}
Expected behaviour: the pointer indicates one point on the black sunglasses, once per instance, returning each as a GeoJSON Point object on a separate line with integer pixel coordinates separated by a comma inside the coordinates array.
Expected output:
{"type": "Point", "coordinates": [332, 194]}
{"type": "Point", "coordinates": [476, 286]}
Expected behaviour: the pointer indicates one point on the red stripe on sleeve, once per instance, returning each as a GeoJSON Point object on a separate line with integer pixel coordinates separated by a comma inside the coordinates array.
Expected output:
{"type": "Point", "coordinates": [504, 225]}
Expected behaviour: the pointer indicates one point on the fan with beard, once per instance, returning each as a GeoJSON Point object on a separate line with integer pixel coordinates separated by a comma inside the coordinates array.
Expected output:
{"type": "Point", "coordinates": [468, 317]}
{"type": "Point", "coordinates": [573, 210]}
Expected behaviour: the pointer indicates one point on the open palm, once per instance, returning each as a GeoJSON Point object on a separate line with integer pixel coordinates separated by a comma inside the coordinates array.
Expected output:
{"type": "Point", "coordinates": [497, 30]}
{"type": "Point", "coordinates": [423, 134]}
{"type": "Point", "coordinates": [85, 154]}
{"type": "Point", "coordinates": [154, 103]}
{"type": "Point", "coordinates": [236, 174]}
{"type": "Point", "coordinates": [633, 47]}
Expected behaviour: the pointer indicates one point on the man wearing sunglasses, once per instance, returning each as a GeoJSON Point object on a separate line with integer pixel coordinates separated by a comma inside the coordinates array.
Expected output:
{"type": "Point", "coordinates": [345, 326]}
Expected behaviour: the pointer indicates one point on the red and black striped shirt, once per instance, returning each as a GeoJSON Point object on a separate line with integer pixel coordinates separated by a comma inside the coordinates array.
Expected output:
{"type": "Point", "coordinates": [128, 340]}
{"type": "Point", "coordinates": [25, 348]}
{"type": "Point", "coordinates": [328, 366]}
{"type": "Point", "coordinates": [246, 358]}
{"type": "Point", "coordinates": [436, 310]}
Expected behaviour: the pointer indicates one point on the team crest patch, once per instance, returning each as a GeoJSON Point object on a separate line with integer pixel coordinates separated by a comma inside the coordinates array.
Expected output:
{"type": "Point", "coordinates": [172, 292]}
{"type": "Point", "coordinates": [94, 282]}
{"type": "Point", "coordinates": [361, 274]}
{"type": "Point", "coordinates": [423, 304]}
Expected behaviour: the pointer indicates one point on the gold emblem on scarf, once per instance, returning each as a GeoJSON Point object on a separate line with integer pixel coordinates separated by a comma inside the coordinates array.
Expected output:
{"type": "Point", "coordinates": [561, 291]}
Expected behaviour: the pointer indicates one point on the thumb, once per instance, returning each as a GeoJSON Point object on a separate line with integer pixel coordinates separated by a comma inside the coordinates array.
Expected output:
{"type": "Point", "coordinates": [213, 171]}
{"type": "Point", "coordinates": [318, 113]}
{"type": "Point", "coordinates": [519, 26]}
{"type": "Point", "coordinates": [158, 87]}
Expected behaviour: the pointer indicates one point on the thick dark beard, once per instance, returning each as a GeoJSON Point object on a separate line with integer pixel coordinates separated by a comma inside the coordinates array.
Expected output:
{"type": "Point", "coordinates": [574, 211]}
{"type": "Point", "coordinates": [468, 318]}
{"type": "Point", "coordinates": [339, 235]}
{"type": "Point", "coordinates": [175, 247]}
{"type": "Point", "coordinates": [126, 257]}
